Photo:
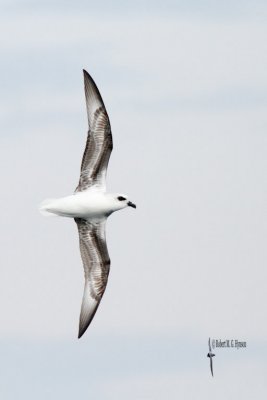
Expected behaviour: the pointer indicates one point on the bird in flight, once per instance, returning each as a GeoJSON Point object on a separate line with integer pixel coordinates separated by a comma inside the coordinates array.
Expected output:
{"type": "Point", "coordinates": [91, 205]}
{"type": "Point", "coordinates": [210, 355]}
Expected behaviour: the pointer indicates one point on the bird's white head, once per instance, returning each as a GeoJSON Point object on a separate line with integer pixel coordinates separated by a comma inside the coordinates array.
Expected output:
{"type": "Point", "coordinates": [121, 201]}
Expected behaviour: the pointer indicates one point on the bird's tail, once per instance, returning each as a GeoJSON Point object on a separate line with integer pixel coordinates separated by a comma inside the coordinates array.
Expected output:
{"type": "Point", "coordinates": [44, 208]}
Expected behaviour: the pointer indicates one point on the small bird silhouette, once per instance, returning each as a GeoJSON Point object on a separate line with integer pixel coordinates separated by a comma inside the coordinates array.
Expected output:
{"type": "Point", "coordinates": [210, 355]}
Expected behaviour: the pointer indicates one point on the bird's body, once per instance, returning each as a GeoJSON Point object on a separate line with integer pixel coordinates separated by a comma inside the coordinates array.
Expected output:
{"type": "Point", "coordinates": [90, 205]}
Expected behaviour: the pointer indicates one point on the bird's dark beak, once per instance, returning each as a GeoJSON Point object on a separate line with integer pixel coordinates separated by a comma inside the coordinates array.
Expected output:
{"type": "Point", "coordinates": [130, 204]}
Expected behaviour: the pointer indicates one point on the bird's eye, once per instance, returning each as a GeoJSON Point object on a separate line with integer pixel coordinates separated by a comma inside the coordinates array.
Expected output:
{"type": "Point", "coordinates": [121, 198]}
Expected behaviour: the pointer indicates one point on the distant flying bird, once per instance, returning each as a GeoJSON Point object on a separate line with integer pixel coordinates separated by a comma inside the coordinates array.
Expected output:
{"type": "Point", "coordinates": [91, 205]}
{"type": "Point", "coordinates": [210, 355]}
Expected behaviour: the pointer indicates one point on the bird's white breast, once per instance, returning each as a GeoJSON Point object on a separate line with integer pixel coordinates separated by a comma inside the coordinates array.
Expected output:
{"type": "Point", "coordinates": [87, 204]}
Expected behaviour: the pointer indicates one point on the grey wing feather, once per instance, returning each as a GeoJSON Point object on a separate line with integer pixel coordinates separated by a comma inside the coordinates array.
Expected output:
{"type": "Point", "coordinates": [209, 345]}
{"type": "Point", "coordinates": [211, 366]}
{"type": "Point", "coordinates": [99, 140]}
{"type": "Point", "coordinates": [96, 265]}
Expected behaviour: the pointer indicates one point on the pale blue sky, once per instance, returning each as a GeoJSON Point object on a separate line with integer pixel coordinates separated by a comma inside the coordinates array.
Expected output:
{"type": "Point", "coordinates": [185, 87]}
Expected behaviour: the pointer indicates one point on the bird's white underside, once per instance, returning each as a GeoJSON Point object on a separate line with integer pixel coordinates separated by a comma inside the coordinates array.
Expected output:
{"type": "Point", "coordinates": [87, 205]}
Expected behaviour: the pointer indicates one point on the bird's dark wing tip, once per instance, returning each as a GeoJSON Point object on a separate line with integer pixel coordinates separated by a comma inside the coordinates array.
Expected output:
{"type": "Point", "coordinates": [81, 332]}
{"type": "Point", "coordinates": [83, 325]}
{"type": "Point", "coordinates": [80, 335]}
{"type": "Point", "coordinates": [86, 75]}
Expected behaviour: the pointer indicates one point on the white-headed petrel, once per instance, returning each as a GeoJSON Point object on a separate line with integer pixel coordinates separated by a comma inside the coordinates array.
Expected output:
{"type": "Point", "coordinates": [90, 205]}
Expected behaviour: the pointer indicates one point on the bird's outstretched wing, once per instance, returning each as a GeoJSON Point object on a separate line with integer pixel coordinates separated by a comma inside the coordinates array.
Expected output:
{"type": "Point", "coordinates": [99, 140]}
{"type": "Point", "coordinates": [209, 345]}
{"type": "Point", "coordinates": [96, 265]}
{"type": "Point", "coordinates": [211, 366]}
